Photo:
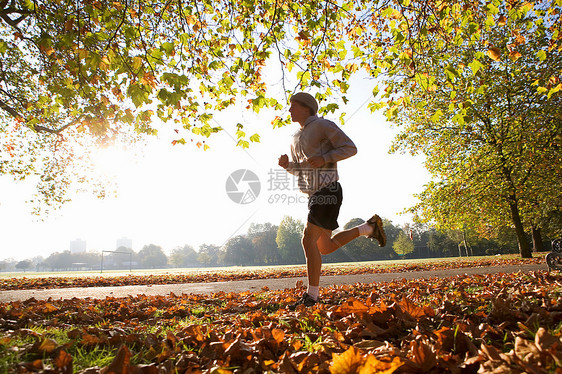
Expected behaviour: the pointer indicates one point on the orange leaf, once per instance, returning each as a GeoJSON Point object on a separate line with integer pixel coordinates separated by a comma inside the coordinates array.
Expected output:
{"type": "Point", "coordinates": [502, 21]}
{"type": "Point", "coordinates": [494, 53]}
{"type": "Point", "coordinates": [353, 306]}
{"type": "Point", "coordinates": [88, 339]}
{"type": "Point", "coordinates": [278, 335]}
{"type": "Point", "coordinates": [49, 308]}
{"type": "Point", "coordinates": [380, 367]}
{"type": "Point", "coordinates": [423, 355]}
{"type": "Point", "coordinates": [514, 56]}
{"type": "Point", "coordinates": [410, 309]}
{"type": "Point", "coordinates": [47, 346]}
{"type": "Point", "coordinates": [64, 360]}
{"type": "Point", "coordinates": [347, 363]}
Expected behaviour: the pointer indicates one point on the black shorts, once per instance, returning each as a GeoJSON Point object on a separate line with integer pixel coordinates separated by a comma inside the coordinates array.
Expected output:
{"type": "Point", "coordinates": [324, 206]}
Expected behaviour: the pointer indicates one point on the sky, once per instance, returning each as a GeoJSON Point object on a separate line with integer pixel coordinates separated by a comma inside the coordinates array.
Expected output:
{"type": "Point", "coordinates": [173, 195]}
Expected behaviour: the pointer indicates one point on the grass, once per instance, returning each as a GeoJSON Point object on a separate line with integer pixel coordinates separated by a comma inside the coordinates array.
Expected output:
{"type": "Point", "coordinates": [390, 264]}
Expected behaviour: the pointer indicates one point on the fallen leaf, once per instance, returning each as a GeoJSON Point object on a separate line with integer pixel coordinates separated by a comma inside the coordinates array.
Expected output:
{"type": "Point", "coordinates": [348, 362]}
{"type": "Point", "coordinates": [373, 365]}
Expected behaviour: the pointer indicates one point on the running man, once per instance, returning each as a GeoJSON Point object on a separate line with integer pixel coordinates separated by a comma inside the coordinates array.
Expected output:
{"type": "Point", "coordinates": [317, 147]}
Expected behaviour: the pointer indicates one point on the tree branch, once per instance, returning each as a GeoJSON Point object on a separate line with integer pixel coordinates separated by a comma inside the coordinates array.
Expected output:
{"type": "Point", "coordinates": [11, 111]}
{"type": "Point", "coordinates": [7, 10]}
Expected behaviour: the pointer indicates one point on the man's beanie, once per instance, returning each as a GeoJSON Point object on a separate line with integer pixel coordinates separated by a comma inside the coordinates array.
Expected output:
{"type": "Point", "coordinates": [307, 100]}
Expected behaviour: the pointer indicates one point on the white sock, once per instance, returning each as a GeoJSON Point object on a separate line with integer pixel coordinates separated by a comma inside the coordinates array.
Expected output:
{"type": "Point", "coordinates": [365, 229]}
{"type": "Point", "coordinates": [313, 291]}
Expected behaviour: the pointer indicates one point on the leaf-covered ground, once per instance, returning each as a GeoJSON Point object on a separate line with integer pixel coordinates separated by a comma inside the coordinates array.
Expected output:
{"type": "Point", "coordinates": [45, 282]}
{"type": "Point", "coordinates": [500, 323]}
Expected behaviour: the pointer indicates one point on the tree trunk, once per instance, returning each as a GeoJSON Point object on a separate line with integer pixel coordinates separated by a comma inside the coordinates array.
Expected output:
{"type": "Point", "coordinates": [524, 247]}
{"type": "Point", "coordinates": [466, 244]}
{"type": "Point", "coordinates": [537, 239]}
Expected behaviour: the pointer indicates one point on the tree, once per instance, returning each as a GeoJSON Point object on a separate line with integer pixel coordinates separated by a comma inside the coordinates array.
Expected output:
{"type": "Point", "coordinates": [208, 254]}
{"type": "Point", "coordinates": [77, 73]}
{"type": "Point", "coordinates": [289, 241]}
{"type": "Point", "coordinates": [152, 256]}
{"type": "Point", "coordinates": [60, 260]}
{"type": "Point", "coordinates": [73, 72]}
{"type": "Point", "coordinates": [239, 250]}
{"type": "Point", "coordinates": [23, 265]}
{"type": "Point", "coordinates": [403, 245]}
{"type": "Point", "coordinates": [483, 103]}
{"type": "Point", "coordinates": [263, 238]}
{"type": "Point", "coordinates": [183, 257]}
{"type": "Point", "coordinates": [440, 245]}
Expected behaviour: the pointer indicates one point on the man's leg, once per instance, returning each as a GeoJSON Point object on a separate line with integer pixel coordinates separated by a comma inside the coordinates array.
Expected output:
{"type": "Point", "coordinates": [328, 244]}
{"type": "Point", "coordinates": [318, 241]}
{"type": "Point", "coordinates": [310, 239]}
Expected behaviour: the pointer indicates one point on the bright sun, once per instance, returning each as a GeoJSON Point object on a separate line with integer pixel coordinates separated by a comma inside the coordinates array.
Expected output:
{"type": "Point", "coordinates": [111, 161]}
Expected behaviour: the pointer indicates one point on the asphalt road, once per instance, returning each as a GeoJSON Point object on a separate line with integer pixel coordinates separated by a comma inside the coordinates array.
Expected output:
{"type": "Point", "coordinates": [248, 285]}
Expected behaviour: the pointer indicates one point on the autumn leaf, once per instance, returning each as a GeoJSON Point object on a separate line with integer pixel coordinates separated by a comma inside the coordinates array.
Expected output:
{"type": "Point", "coordinates": [423, 354]}
{"type": "Point", "coordinates": [47, 346]}
{"type": "Point", "coordinates": [358, 328]}
{"type": "Point", "coordinates": [373, 365]}
{"type": "Point", "coordinates": [120, 364]}
{"type": "Point", "coordinates": [353, 306]}
{"type": "Point", "coordinates": [494, 53]}
{"type": "Point", "coordinates": [410, 310]}
{"type": "Point", "coordinates": [63, 361]}
{"type": "Point", "coordinates": [348, 362]}
{"type": "Point", "coordinates": [514, 56]}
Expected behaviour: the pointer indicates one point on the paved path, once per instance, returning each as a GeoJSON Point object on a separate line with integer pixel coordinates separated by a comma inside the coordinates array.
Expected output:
{"type": "Point", "coordinates": [247, 285]}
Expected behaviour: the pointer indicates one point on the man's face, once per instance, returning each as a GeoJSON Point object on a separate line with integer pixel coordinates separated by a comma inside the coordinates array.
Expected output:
{"type": "Point", "coordinates": [299, 112]}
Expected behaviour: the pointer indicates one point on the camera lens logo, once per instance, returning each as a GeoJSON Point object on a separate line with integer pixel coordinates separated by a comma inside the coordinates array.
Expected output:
{"type": "Point", "coordinates": [243, 186]}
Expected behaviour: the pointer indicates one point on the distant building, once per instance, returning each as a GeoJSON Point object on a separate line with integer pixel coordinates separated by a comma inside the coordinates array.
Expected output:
{"type": "Point", "coordinates": [124, 242]}
{"type": "Point", "coordinates": [77, 246]}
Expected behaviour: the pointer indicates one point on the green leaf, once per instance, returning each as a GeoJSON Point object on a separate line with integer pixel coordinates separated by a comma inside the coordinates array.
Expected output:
{"type": "Point", "coordinates": [255, 138]}
{"type": "Point", "coordinates": [168, 48]}
{"type": "Point", "coordinates": [475, 65]}
{"type": "Point", "coordinates": [436, 116]}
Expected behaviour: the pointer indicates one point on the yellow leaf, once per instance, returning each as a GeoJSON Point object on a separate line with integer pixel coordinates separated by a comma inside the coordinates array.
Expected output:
{"type": "Point", "coordinates": [494, 53]}
{"type": "Point", "coordinates": [347, 363]}
{"type": "Point", "coordinates": [137, 62]}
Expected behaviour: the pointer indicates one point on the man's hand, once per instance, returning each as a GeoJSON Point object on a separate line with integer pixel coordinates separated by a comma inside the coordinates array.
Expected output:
{"type": "Point", "coordinates": [316, 161]}
{"type": "Point", "coordinates": [284, 161]}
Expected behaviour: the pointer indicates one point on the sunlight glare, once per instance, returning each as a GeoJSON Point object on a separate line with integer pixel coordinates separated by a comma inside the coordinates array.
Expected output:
{"type": "Point", "coordinates": [111, 161]}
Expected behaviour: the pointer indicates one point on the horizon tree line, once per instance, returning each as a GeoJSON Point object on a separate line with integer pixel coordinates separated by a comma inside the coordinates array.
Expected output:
{"type": "Point", "coordinates": [269, 244]}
